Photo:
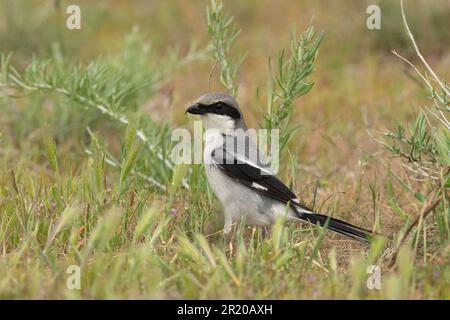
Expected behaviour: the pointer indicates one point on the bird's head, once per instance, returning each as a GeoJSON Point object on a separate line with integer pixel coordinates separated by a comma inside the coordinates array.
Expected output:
{"type": "Point", "coordinates": [218, 111]}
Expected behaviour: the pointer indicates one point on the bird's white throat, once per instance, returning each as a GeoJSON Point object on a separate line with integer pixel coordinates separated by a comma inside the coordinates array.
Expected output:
{"type": "Point", "coordinates": [218, 121]}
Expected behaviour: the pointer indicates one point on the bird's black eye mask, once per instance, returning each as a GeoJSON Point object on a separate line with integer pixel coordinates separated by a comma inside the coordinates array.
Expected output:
{"type": "Point", "coordinates": [221, 108]}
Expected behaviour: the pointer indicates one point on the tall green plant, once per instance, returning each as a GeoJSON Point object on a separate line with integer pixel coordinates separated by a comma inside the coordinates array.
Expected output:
{"type": "Point", "coordinates": [424, 148]}
{"type": "Point", "coordinates": [113, 87]}
{"type": "Point", "coordinates": [291, 81]}
{"type": "Point", "coordinates": [223, 35]}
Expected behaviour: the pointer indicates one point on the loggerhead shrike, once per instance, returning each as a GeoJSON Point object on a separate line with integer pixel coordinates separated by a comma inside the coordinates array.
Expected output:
{"type": "Point", "coordinates": [247, 188]}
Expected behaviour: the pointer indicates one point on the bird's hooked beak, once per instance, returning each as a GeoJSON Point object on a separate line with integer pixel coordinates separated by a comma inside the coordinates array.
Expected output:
{"type": "Point", "coordinates": [195, 109]}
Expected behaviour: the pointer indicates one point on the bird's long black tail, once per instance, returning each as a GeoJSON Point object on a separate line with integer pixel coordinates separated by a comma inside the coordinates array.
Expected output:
{"type": "Point", "coordinates": [338, 226]}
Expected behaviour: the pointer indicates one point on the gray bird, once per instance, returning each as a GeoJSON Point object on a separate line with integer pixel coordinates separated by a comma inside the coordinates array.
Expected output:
{"type": "Point", "coordinates": [240, 177]}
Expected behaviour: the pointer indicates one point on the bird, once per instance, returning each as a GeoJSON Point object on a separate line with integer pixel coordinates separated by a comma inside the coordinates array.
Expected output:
{"type": "Point", "coordinates": [244, 184]}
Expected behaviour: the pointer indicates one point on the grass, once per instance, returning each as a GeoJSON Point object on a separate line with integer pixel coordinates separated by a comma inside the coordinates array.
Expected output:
{"type": "Point", "coordinates": [86, 180]}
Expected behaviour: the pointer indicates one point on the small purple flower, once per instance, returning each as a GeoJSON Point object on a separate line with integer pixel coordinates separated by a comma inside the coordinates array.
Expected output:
{"type": "Point", "coordinates": [249, 292]}
{"type": "Point", "coordinates": [173, 212]}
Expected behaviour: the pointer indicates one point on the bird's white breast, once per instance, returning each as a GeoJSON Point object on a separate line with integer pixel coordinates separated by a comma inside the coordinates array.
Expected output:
{"type": "Point", "coordinates": [213, 140]}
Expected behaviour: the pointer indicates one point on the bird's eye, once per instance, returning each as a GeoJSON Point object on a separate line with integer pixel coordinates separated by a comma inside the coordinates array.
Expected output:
{"type": "Point", "coordinates": [219, 106]}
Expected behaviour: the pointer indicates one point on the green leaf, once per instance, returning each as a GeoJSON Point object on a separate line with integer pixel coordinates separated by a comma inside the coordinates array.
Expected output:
{"type": "Point", "coordinates": [419, 196]}
{"type": "Point", "coordinates": [50, 149]}
{"type": "Point", "coordinates": [128, 161]}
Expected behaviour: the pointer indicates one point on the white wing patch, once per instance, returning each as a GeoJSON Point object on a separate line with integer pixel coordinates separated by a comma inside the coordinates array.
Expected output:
{"type": "Point", "coordinates": [244, 160]}
{"type": "Point", "coordinates": [258, 186]}
{"type": "Point", "coordinates": [304, 210]}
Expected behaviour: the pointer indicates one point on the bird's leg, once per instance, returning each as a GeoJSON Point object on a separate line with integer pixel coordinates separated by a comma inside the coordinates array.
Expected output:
{"type": "Point", "coordinates": [227, 228]}
{"type": "Point", "coordinates": [227, 237]}
{"type": "Point", "coordinates": [265, 232]}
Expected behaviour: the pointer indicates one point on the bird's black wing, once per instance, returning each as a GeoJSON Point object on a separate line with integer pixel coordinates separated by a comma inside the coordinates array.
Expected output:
{"type": "Point", "coordinates": [258, 178]}
{"type": "Point", "coordinates": [262, 181]}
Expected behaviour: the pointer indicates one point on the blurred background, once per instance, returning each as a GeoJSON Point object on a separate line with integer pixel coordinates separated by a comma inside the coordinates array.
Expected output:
{"type": "Point", "coordinates": [357, 76]}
